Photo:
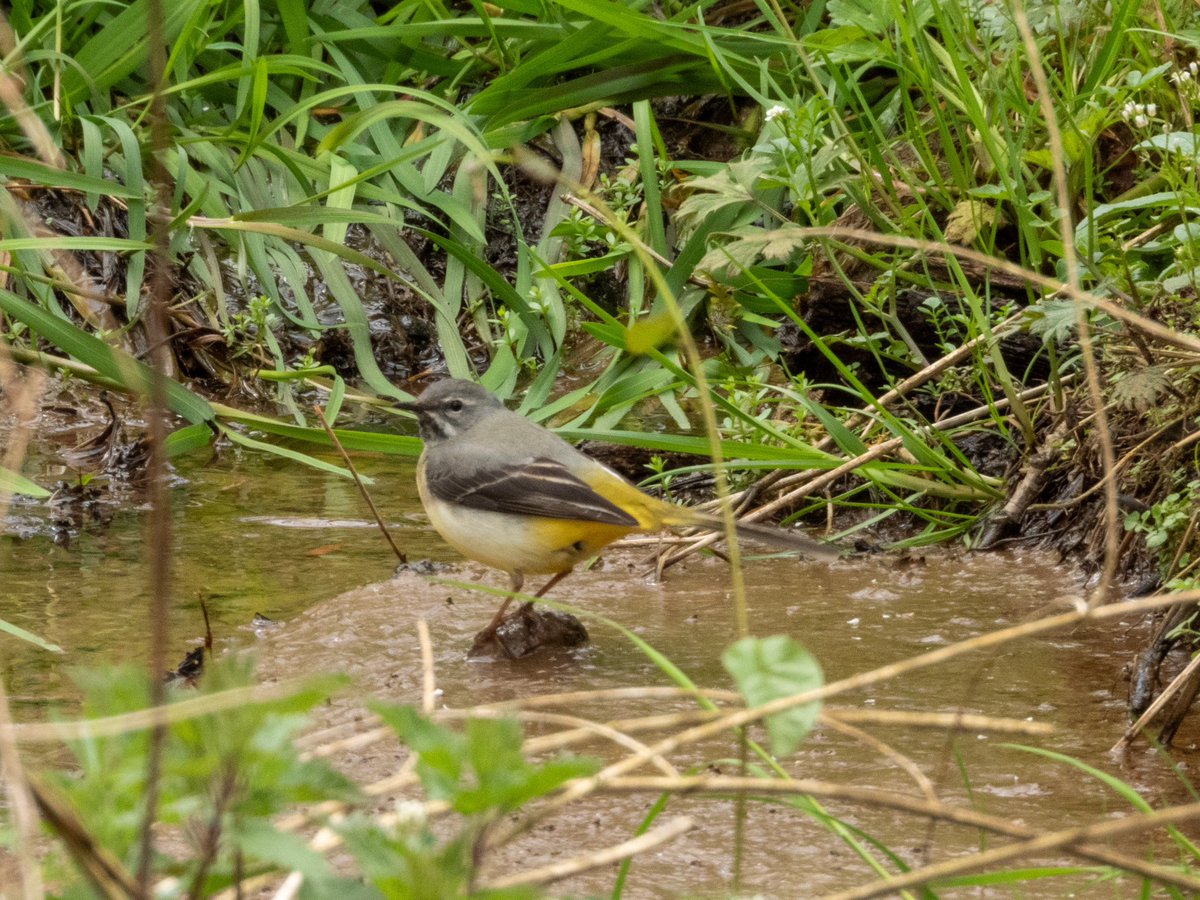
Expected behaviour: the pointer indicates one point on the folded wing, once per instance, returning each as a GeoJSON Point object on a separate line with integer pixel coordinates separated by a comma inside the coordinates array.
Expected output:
{"type": "Point", "coordinates": [533, 487]}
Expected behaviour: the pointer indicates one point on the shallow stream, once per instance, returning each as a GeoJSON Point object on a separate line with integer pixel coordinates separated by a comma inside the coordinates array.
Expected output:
{"type": "Point", "coordinates": [262, 535]}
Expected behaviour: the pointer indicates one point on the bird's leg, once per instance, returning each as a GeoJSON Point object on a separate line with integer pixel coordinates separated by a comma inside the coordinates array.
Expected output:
{"type": "Point", "coordinates": [528, 634]}
{"type": "Point", "coordinates": [528, 604]}
{"type": "Point", "coordinates": [515, 581]}
{"type": "Point", "coordinates": [552, 582]}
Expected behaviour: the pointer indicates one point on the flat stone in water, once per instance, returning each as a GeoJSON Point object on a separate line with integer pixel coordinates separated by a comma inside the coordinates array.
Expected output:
{"type": "Point", "coordinates": [526, 631]}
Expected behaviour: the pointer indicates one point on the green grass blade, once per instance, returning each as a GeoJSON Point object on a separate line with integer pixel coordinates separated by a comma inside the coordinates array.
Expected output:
{"type": "Point", "coordinates": [15, 483]}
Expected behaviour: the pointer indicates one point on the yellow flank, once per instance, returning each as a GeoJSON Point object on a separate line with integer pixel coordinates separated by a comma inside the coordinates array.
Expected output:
{"type": "Point", "coordinates": [652, 514]}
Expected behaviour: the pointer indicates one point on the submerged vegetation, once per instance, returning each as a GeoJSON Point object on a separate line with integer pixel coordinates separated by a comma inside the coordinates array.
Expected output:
{"type": "Point", "coordinates": [923, 272]}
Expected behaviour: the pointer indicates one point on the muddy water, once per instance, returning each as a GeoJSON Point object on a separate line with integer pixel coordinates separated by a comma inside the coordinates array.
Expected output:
{"type": "Point", "coordinates": [264, 536]}
{"type": "Point", "coordinates": [250, 535]}
{"type": "Point", "coordinates": [854, 616]}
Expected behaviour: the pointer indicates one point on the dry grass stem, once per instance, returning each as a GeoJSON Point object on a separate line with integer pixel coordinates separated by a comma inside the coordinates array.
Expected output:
{"type": "Point", "coordinates": [1081, 613]}
{"type": "Point", "coordinates": [1177, 683]}
{"type": "Point", "coordinates": [330, 742]}
{"type": "Point", "coordinates": [1112, 534]}
{"type": "Point", "coordinates": [428, 676]}
{"type": "Point", "coordinates": [939, 721]}
{"type": "Point", "coordinates": [814, 480]}
{"type": "Point", "coordinates": [106, 874]}
{"type": "Point", "coordinates": [1075, 840]}
{"type": "Point", "coordinates": [142, 719]}
{"type": "Point", "coordinates": [924, 785]}
{"type": "Point", "coordinates": [22, 807]}
{"type": "Point", "coordinates": [1069, 839]}
{"type": "Point", "coordinates": [21, 397]}
{"type": "Point", "coordinates": [593, 860]}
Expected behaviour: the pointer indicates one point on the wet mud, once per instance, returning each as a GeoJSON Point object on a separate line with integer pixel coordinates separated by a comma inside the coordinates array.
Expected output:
{"type": "Point", "coordinates": [854, 615]}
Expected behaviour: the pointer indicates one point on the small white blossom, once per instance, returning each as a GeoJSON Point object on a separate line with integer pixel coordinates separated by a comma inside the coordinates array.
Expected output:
{"type": "Point", "coordinates": [410, 814]}
{"type": "Point", "coordinates": [1139, 113]}
{"type": "Point", "coordinates": [777, 111]}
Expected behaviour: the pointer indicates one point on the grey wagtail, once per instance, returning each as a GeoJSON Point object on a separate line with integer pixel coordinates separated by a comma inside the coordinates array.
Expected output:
{"type": "Point", "coordinates": [510, 494]}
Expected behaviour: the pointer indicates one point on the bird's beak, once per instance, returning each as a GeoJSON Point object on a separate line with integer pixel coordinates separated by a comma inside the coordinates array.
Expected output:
{"type": "Point", "coordinates": [412, 406]}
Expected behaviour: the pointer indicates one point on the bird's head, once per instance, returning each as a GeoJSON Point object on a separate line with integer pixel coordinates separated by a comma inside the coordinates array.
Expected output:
{"type": "Point", "coordinates": [449, 407]}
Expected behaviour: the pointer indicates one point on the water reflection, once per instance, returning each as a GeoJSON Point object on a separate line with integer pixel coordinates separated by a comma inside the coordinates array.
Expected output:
{"type": "Point", "coordinates": [250, 534]}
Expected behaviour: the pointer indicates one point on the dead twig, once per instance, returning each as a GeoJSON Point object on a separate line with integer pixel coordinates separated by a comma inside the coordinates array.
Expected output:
{"type": "Point", "coordinates": [593, 860]}
{"type": "Point", "coordinates": [1178, 683]}
{"type": "Point", "coordinates": [1069, 839]}
{"type": "Point", "coordinates": [101, 868]}
{"type": "Point", "coordinates": [1028, 487]}
{"type": "Point", "coordinates": [1077, 840]}
{"type": "Point", "coordinates": [362, 488]}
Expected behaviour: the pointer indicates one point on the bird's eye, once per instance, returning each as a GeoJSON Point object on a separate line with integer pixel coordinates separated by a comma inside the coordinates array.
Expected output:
{"type": "Point", "coordinates": [455, 406]}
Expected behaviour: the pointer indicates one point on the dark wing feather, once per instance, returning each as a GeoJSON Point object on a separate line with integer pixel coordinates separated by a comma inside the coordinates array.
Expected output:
{"type": "Point", "coordinates": [536, 487]}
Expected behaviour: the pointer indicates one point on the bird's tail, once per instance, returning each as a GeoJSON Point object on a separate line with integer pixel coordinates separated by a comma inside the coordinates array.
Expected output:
{"type": "Point", "coordinates": [783, 538]}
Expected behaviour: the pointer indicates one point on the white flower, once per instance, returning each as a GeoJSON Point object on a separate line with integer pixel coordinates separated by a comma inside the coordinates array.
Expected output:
{"type": "Point", "coordinates": [776, 112]}
{"type": "Point", "coordinates": [1140, 121]}
{"type": "Point", "coordinates": [1152, 109]}
{"type": "Point", "coordinates": [410, 813]}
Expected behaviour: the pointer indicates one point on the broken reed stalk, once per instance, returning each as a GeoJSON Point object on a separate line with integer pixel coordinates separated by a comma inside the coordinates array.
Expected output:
{"type": "Point", "coordinates": [362, 488]}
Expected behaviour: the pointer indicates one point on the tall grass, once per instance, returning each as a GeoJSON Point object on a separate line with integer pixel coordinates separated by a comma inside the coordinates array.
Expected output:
{"type": "Point", "coordinates": [315, 153]}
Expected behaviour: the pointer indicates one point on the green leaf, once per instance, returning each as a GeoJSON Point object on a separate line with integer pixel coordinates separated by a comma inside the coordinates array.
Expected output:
{"type": "Point", "coordinates": [505, 781]}
{"type": "Point", "coordinates": [287, 851]}
{"type": "Point", "coordinates": [1053, 320]}
{"type": "Point", "coordinates": [767, 669]}
{"type": "Point", "coordinates": [116, 245]}
{"type": "Point", "coordinates": [132, 374]}
{"type": "Point", "coordinates": [19, 632]}
{"type": "Point", "coordinates": [185, 440]}
{"type": "Point", "coordinates": [442, 752]}
{"type": "Point", "coordinates": [367, 441]}
{"type": "Point", "coordinates": [287, 453]}
{"type": "Point", "coordinates": [40, 173]}
{"type": "Point", "coordinates": [15, 483]}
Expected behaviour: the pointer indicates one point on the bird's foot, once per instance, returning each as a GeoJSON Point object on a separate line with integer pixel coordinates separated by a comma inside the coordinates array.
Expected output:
{"type": "Point", "coordinates": [526, 631]}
